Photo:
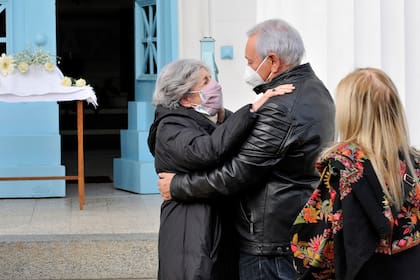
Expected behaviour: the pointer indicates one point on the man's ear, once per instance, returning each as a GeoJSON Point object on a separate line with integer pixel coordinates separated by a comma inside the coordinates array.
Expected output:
{"type": "Point", "coordinates": [276, 65]}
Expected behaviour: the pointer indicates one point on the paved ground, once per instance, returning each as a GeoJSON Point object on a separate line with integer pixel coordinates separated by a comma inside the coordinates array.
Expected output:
{"type": "Point", "coordinates": [114, 237]}
{"type": "Point", "coordinates": [107, 211]}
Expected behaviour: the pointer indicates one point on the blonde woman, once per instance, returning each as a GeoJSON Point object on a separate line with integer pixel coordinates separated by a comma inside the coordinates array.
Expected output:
{"type": "Point", "coordinates": [362, 220]}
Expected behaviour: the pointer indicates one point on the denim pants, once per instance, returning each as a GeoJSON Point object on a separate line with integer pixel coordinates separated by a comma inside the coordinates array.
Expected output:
{"type": "Point", "coordinates": [266, 267]}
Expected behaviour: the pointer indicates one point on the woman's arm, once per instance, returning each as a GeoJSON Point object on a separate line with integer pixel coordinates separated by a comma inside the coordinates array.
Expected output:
{"type": "Point", "coordinates": [263, 149]}
{"type": "Point", "coordinates": [195, 149]}
{"type": "Point", "coordinates": [184, 142]}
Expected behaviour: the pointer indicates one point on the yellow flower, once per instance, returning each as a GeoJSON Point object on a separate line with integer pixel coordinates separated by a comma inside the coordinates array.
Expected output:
{"type": "Point", "coordinates": [80, 83]}
{"type": "Point", "coordinates": [7, 64]}
{"type": "Point", "coordinates": [23, 67]}
{"type": "Point", "coordinates": [49, 66]}
{"type": "Point", "coordinates": [66, 81]}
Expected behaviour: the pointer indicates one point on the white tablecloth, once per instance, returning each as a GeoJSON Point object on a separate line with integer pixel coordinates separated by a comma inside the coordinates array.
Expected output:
{"type": "Point", "coordinates": [40, 85]}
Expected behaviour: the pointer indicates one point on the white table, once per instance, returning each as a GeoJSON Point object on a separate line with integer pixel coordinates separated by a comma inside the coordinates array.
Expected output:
{"type": "Point", "coordinates": [39, 85]}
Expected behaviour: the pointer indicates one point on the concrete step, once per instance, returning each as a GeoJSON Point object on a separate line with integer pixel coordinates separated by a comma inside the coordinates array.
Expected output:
{"type": "Point", "coordinates": [78, 256]}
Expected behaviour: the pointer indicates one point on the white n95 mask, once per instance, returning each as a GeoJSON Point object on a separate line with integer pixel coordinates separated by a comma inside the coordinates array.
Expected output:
{"type": "Point", "coordinates": [251, 76]}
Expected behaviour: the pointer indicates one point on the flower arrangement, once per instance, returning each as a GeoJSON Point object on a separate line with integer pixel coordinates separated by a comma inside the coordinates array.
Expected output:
{"type": "Point", "coordinates": [24, 59]}
{"type": "Point", "coordinates": [69, 81]}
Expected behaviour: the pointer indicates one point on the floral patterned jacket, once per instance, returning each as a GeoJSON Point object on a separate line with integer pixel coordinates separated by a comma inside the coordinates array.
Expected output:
{"type": "Point", "coordinates": [348, 219]}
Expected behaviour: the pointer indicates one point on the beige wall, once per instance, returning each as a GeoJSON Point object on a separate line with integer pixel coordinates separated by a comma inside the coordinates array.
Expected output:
{"type": "Point", "coordinates": [342, 35]}
{"type": "Point", "coordinates": [339, 36]}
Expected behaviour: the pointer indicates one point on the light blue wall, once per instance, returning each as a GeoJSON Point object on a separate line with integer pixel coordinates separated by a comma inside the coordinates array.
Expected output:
{"type": "Point", "coordinates": [32, 20]}
{"type": "Point", "coordinates": [29, 132]}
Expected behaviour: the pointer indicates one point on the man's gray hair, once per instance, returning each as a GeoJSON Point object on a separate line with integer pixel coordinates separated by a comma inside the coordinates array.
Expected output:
{"type": "Point", "coordinates": [175, 80]}
{"type": "Point", "coordinates": [276, 35]}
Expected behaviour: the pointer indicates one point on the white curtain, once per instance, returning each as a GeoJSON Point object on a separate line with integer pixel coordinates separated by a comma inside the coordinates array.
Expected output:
{"type": "Point", "coordinates": [341, 35]}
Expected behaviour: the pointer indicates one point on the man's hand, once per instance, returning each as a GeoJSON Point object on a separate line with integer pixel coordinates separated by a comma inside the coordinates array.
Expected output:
{"type": "Point", "coordinates": [164, 184]}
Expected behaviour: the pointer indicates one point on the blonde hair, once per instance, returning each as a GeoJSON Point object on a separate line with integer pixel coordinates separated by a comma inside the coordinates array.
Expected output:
{"type": "Point", "coordinates": [370, 114]}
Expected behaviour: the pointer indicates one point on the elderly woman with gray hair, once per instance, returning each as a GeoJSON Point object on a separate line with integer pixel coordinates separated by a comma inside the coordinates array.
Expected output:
{"type": "Point", "coordinates": [196, 239]}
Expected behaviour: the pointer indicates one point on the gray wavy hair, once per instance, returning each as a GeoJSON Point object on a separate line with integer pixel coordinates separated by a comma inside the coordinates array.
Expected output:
{"type": "Point", "coordinates": [175, 80]}
{"type": "Point", "coordinates": [276, 35]}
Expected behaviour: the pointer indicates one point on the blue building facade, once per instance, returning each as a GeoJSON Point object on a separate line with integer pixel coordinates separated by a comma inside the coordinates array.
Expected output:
{"type": "Point", "coordinates": [30, 140]}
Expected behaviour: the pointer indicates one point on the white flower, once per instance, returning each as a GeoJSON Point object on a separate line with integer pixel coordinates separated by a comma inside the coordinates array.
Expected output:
{"type": "Point", "coordinates": [49, 66]}
{"type": "Point", "coordinates": [23, 67]}
{"type": "Point", "coordinates": [7, 64]}
{"type": "Point", "coordinates": [80, 83]}
{"type": "Point", "coordinates": [66, 81]}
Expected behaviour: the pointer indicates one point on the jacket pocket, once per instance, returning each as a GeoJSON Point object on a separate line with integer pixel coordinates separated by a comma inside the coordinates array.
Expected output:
{"type": "Point", "coordinates": [248, 220]}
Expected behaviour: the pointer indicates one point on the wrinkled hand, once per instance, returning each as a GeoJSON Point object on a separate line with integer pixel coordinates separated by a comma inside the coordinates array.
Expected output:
{"type": "Point", "coordinates": [279, 90]}
{"type": "Point", "coordinates": [164, 184]}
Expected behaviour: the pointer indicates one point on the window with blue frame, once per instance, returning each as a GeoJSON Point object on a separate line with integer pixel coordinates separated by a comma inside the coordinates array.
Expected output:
{"type": "Point", "coordinates": [3, 33]}
{"type": "Point", "coordinates": [147, 38]}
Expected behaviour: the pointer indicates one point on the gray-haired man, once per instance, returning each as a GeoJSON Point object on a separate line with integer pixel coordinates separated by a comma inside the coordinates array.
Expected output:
{"type": "Point", "coordinates": [273, 175]}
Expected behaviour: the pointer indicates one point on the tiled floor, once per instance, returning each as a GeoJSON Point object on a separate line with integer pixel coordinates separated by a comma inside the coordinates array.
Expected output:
{"type": "Point", "coordinates": [107, 211]}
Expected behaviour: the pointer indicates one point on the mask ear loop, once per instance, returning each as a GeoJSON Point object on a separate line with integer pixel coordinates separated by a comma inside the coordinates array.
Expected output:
{"type": "Point", "coordinates": [185, 100]}
{"type": "Point", "coordinates": [268, 76]}
{"type": "Point", "coordinates": [261, 64]}
{"type": "Point", "coordinates": [202, 97]}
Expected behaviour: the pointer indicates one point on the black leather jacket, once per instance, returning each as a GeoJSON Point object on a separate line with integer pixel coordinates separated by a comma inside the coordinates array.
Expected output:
{"type": "Point", "coordinates": [274, 172]}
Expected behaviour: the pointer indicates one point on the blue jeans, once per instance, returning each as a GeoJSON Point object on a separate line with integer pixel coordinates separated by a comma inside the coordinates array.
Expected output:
{"type": "Point", "coordinates": [266, 267]}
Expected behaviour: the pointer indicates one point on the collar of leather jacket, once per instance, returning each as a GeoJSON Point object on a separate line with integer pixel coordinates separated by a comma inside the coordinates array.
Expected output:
{"type": "Point", "coordinates": [288, 76]}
